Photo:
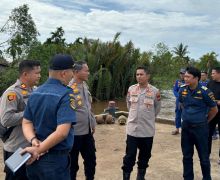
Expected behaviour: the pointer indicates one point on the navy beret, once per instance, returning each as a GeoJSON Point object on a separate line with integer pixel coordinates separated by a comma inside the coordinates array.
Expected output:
{"type": "Point", "coordinates": [61, 62]}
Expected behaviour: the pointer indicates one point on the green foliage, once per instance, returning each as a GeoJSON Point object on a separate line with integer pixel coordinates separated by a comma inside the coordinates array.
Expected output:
{"type": "Point", "coordinates": [57, 37]}
{"type": "Point", "coordinates": [102, 80]}
{"type": "Point", "coordinates": [22, 30]}
{"type": "Point", "coordinates": [181, 51]}
{"type": "Point", "coordinates": [43, 53]}
{"type": "Point", "coordinates": [7, 78]}
{"type": "Point", "coordinates": [208, 61]}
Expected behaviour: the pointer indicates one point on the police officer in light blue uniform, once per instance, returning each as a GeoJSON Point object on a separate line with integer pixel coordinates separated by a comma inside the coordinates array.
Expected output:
{"type": "Point", "coordinates": [48, 118]}
{"type": "Point", "coordinates": [198, 108]}
{"type": "Point", "coordinates": [178, 111]}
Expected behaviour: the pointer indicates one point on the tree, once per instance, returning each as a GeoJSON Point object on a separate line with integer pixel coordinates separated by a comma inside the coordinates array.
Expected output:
{"type": "Point", "coordinates": [2, 32]}
{"type": "Point", "coordinates": [22, 30]}
{"type": "Point", "coordinates": [57, 37]}
{"type": "Point", "coordinates": [208, 61]}
{"type": "Point", "coordinates": [162, 67]}
{"type": "Point", "coordinates": [181, 51]}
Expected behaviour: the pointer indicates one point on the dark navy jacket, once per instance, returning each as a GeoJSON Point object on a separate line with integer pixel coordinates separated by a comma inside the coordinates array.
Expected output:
{"type": "Point", "coordinates": [204, 83]}
{"type": "Point", "coordinates": [49, 106]}
{"type": "Point", "coordinates": [195, 103]}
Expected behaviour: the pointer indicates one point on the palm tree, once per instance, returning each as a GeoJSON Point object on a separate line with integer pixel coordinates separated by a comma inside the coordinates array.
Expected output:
{"type": "Point", "coordinates": [181, 50]}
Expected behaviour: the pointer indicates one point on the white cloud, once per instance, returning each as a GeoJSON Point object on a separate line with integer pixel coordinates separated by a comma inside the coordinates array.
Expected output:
{"type": "Point", "coordinates": [144, 22]}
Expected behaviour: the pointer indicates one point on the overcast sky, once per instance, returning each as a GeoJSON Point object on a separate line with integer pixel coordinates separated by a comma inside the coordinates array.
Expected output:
{"type": "Point", "coordinates": [195, 23]}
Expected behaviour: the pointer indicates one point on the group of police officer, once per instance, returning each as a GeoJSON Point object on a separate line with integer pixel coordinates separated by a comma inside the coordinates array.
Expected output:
{"type": "Point", "coordinates": [44, 121]}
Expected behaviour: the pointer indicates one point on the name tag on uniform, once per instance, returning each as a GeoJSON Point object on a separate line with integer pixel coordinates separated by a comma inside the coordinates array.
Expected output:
{"type": "Point", "coordinates": [134, 98]}
{"type": "Point", "coordinates": [148, 101]}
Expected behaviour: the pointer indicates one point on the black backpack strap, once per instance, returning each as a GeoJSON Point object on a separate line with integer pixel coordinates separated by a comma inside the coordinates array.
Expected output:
{"type": "Point", "coordinates": [7, 134]}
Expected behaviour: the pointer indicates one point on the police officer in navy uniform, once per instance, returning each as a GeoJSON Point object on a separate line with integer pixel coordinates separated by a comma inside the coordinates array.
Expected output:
{"type": "Point", "coordinates": [48, 118]}
{"type": "Point", "coordinates": [178, 111]}
{"type": "Point", "coordinates": [204, 78]}
{"type": "Point", "coordinates": [12, 106]}
{"type": "Point", "coordinates": [198, 108]}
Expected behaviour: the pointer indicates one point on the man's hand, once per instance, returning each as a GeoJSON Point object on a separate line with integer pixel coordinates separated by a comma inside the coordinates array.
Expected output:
{"type": "Point", "coordinates": [93, 130]}
{"type": "Point", "coordinates": [34, 151]}
{"type": "Point", "coordinates": [36, 142]}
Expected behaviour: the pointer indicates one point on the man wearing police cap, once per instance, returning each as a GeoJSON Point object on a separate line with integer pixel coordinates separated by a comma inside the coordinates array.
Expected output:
{"type": "Point", "coordinates": [47, 123]}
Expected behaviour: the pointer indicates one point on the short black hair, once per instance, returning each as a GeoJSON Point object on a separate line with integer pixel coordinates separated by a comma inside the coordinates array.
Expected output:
{"type": "Point", "coordinates": [217, 69]}
{"type": "Point", "coordinates": [27, 65]}
{"type": "Point", "coordinates": [78, 65]}
{"type": "Point", "coordinates": [143, 68]}
{"type": "Point", "coordinates": [194, 71]}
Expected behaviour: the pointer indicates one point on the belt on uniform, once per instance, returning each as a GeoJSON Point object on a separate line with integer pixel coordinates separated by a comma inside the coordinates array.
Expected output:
{"type": "Point", "coordinates": [195, 124]}
{"type": "Point", "coordinates": [59, 152]}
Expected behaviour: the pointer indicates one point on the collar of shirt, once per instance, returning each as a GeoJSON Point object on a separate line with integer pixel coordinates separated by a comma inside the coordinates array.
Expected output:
{"type": "Point", "coordinates": [193, 91]}
{"type": "Point", "coordinates": [139, 90]}
{"type": "Point", "coordinates": [54, 81]}
{"type": "Point", "coordinates": [22, 86]}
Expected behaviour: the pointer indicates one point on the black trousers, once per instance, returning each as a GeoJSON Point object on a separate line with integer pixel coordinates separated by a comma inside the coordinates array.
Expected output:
{"type": "Point", "coordinates": [20, 174]}
{"type": "Point", "coordinates": [132, 144]}
{"type": "Point", "coordinates": [84, 144]}
{"type": "Point", "coordinates": [195, 135]}
{"type": "Point", "coordinates": [212, 126]}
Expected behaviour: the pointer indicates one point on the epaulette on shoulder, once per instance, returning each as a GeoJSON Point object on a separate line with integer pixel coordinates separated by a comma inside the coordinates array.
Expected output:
{"type": "Point", "coordinates": [183, 85]}
{"type": "Point", "coordinates": [134, 85]}
{"type": "Point", "coordinates": [205, 88]}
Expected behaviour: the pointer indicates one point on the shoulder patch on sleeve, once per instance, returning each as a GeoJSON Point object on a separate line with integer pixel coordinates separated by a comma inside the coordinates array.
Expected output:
{"type": "Point", "coordinates": [11, 96]}
{"type": "Point", "coordinates": [158, 96]}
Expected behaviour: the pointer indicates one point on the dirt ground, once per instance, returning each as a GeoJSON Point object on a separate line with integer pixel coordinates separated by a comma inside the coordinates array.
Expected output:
{"type": "Point", "coordinates": [165, 163]}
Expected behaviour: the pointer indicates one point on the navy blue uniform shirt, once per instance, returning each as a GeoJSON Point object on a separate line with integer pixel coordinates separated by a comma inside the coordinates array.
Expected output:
{"type": "Point", "coordinates": [204, 83]}
{"type": "Point", "coordinates": [49, 106]}
{"type": "Point", "coordinates": [195, 103]}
